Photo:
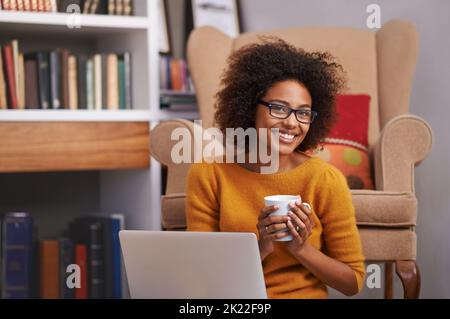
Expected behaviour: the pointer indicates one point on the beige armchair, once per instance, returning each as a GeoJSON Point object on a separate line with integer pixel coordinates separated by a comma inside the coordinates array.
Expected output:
{"type": "Point", "coordinates": [378, 63]}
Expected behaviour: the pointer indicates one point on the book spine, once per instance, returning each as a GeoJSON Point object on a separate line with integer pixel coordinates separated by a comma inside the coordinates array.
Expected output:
{"type": "Point", "coordinates": [49, 269]}
{"type": "Point", "coordinates": [96, 270]}
{"type": "Point", "coordinates": [15, 51]}
{"type": "Point", "coordinates": [6, 4]}
{"type": "Point", "coordinates": [66, 257]}
{"type": "Point", "coordinates": [121, 67]}
{"type": "Point", "coordinates": [31, 84]}
{"type": "Point", "coordinates": [81, 261]}
{"type": "Point", "coordinates": [27, 5]}
{"type": "Point", "coordinates": [105, 76]}
{"type": "Point", "coordinates": [116, 259]}
{"type": "Point", "coordinates": [55, 79]}
{"type": "Point", "coordinates": [3, 102]}
{"type": "Point", "coordinates": [10, 77]}
{"type": "Point", "coordinates": [113, 82]}
{"type": "Point", "coordinates": [21, 86]}
{"type": "Point", "coordinates": [98, 81]}
{"type": "Point", "coordinates": [44, 79]}
{"type": "Point", "coordinates": [17, 232]}
{"type": "Point", "coordinates": [64, 85]}
{"type": "Point", "coordinates": [127, 61]}
{"type": "Point", "coordinates": [90, 84]}
{"type": "Point", "coordinates": [73, 84]}
{"type": "Point", "coordinates": [81, 82]}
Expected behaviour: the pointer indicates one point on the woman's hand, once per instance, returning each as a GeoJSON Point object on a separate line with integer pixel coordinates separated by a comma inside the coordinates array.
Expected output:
{"type": "Point", "coordinates": [300, 225]}
{"type": "Point", "coordinates": [267, 226]}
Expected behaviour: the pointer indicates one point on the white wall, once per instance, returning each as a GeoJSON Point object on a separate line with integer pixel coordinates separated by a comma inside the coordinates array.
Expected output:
{"type": "Point", "coordinates": [430, 99]}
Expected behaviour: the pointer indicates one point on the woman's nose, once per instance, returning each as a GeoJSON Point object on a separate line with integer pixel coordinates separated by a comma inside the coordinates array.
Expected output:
{"type": "Point", "coordinates": [291, 121]}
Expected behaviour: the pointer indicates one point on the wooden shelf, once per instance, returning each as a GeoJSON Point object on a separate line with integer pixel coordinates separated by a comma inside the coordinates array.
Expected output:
{"type": "Point", "coordinates": [74, 115]}
{"type": "Point", "coordinates": [58, 22]}
{"type": "Point", "coordinates": [69, 146]}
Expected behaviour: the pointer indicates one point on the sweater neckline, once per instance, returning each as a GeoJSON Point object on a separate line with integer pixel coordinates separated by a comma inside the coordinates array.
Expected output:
{"type": "Point", "coordinates": [277, 175]}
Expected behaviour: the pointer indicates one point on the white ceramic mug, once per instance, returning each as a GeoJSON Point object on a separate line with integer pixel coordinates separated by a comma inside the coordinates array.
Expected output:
{"type": "Point", "coordinates": [282, 201]}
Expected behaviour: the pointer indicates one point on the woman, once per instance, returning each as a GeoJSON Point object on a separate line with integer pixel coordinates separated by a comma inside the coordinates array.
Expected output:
{"type": "Point", "coordinates": [274, 85]}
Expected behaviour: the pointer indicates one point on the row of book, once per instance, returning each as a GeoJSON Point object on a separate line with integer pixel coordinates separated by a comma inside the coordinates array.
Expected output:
{"type": "Point", "coordinates": [57, 79]}
{"type": "Point", "coordinates": [177, 101]}
{"type": "Point", "coordinates": [111, 7]}
{"type": "Point", "coordinates": [85, 262]}
{"type": "Point", "coordinates": [174, 75]}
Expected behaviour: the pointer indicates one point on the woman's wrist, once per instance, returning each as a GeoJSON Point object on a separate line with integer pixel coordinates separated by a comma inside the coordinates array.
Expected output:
{"type": "Point", "coordinates": [302, 253]}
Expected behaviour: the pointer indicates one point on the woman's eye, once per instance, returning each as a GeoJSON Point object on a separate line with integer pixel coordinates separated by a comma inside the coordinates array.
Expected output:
{"type": "Point", "coordinates": [278, 107]}
{"type": "Point", "coordinates": [303, 112]}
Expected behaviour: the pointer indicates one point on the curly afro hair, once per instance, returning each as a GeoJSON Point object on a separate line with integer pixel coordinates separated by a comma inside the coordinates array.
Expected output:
{"type": "Point", "coordinates": [254, 68]}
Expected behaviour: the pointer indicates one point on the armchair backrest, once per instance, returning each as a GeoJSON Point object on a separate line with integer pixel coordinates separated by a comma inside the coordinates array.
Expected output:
{"type": "Point", "coordinates": [380, 63]}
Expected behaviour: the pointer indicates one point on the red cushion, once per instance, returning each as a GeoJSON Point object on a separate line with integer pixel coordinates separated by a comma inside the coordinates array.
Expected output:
{"type": "Point", "coordinates": [346, 147]}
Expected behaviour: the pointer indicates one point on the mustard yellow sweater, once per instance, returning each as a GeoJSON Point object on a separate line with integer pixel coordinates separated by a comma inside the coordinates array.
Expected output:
{"type": "Point", "coordinates": [227, 197]}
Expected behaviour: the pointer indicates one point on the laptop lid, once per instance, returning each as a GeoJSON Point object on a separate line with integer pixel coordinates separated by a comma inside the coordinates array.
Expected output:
{"type": "Point", "coordinates": [185, 265]}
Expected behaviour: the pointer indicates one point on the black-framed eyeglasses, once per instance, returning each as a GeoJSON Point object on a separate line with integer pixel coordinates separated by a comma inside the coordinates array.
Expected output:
{"type": "Point", "coordinates": [305, 116]}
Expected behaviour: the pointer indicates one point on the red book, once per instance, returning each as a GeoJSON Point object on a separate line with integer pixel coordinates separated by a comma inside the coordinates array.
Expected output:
{"type": "Point", "coordinates": [81, 260]}
{"type": "Point", "coordinates": [10, 77]}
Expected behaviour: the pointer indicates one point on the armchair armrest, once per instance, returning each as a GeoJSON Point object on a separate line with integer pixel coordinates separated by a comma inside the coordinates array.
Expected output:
{"type": "Point", "coordinates": [161, 145]}
{"type": "Point", "coordinates": [403, 143]}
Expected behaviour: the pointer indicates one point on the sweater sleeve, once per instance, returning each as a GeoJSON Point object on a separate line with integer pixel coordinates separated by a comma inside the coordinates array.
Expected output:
{"type": "Point", "coordinates": [202, 206]}
{"type": "Point", "coordinates": [336, 212]}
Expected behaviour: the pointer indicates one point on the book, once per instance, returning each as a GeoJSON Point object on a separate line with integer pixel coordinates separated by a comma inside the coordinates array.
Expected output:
{"type": "Point", "coordinates": [73, 82]}
{"type": "Point", "coordinates": [8, 66]}
{"type": "Point", "coordinates": [98, 85]}
{"type": "Point", "coordinates": [117, 224]}
{"type": "Point", "coordinates": [66, 258]}
{"type": "Point", "coordinates": [121, 84]}
{"type": "Point", "coordinates": [112, 82]}
{"type": "Point", "coordinates": [31, 84]}
{"type": "Point", "coordinates": [64, 78]}
{"type": "Point", "coordinates": [3, 102]}
{"type": "Point", "coordinates": [21, 83]}
{"type": "Point", "coordinates": [81, 82]}
{"type": "Point", "coordinates": [90, 99]}
{"type": "Point", "coordinates": [17, 256]}
{"type": "Point", "coordinates": [55, 80]}
{"type": "Point", "coordinates": [81, 260]}
{"type": "Point", "coordinates": [49, 269]}
{"type": "Point", "coordinates": [15, 51]}
{"type": "Point", "coordinates": [127, 62]}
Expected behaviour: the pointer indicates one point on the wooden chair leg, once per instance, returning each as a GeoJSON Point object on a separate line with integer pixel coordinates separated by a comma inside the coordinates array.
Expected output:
{"type": "Point", "coordinates": [409, 274]}
{"type": "Point", "coordinates": [388, 280]}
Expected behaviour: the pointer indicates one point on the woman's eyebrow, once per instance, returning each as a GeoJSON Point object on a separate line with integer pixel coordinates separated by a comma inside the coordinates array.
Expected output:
{"type": "Point", "coordinates": [287, 103]}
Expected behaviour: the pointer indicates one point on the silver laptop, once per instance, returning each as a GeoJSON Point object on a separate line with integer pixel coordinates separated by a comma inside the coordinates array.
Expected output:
{"type": "Point", "coordinates": [192, 265]}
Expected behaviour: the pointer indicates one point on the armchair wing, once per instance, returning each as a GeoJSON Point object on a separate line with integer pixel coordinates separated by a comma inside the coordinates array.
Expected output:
{"type": "Point", "coordinates": [403, 143]}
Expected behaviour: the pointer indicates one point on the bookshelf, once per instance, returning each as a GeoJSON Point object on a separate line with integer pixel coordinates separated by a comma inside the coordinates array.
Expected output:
{"type": "Point", "coordinates": [103, 181]}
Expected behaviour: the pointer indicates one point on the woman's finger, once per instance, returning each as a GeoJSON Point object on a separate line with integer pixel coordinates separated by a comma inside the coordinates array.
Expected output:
{"type": "Point", "coordinates": [275, 236]}
{"type": "Point", "coordinates": [266, 211]}
{"type": "Point", "coordinates": [269, 220]}
{"type": "Point", "coordinates": [275, 227]}
{"type": "Point", "coordinates": [297, 221]}
{"type": "Point", "coordinates": [293, 231]}
{"type": "Point", "coordinates": [306, 208]}
{"type": "Point", "coordinates": [303, 217]}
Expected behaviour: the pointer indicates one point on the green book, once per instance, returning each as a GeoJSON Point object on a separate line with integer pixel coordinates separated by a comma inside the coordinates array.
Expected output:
{"type": "Point", "coordinates": [121, 66]}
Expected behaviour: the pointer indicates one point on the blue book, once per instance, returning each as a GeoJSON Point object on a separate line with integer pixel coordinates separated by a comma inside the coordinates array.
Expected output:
{"type": "Point", "coordinates": [116, 258]}
{"type": "Point", "coordinates": [17, 232]}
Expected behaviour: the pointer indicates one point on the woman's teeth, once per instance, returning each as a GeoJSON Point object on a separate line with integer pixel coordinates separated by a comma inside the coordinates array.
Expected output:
{"type": "Point", "coordinates": [286, 137]}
